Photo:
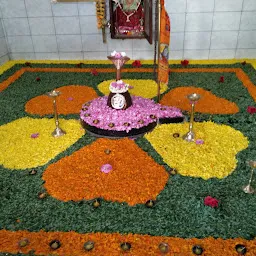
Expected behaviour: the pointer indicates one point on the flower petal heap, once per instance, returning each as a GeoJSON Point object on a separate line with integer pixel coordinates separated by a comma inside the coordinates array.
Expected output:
{"type": "Point", "coordinates": [209, 103]}
{"type": "Point", "coordinates": [141, 87]}
{"type": "Point", "coordinates": [216, 157]}
{"type": "Point", "coordinates": [20, 151]}
{"type": "Point", "coordinates": [132, 179]}
{"type": "Point", "coordinates": [140, 114]}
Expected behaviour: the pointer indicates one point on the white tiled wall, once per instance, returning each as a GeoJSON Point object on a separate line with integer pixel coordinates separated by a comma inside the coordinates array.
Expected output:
{"type": "Point", "coordinates": [3, 46]}
{"type": "Point", "coordinates": [201, 29]}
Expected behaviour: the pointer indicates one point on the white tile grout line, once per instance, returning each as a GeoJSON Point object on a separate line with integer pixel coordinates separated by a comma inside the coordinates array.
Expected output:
{"type": "Point", "coordinates": [5, 34]}
{"type": "Point", "coordinates": [222, 49]}
{"type": "Point", "coordinates": [99, 34]}
{"type": "Point", "coordinates": [171, 13]}
{"type": "Point", "coordinates": [30, 29]}
{"type": "Point", "coordinates": [239, 28]}
{"type": "Point", "coordinates": [80, 31]}
{"type": "Point", "coordinates": [95, 34]}
{"type": "Point", "coordinates": [185, 24]}
{"type": "Point", "coordinates": [4, 55]}
{"type": "Point", "coordinates": [58, 49]}
{"type": "Point", "coordinates": [211, 30]}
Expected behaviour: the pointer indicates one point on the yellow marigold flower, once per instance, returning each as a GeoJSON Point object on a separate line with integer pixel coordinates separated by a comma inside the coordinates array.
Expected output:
{"type": "Point", "coordinates": [28, 143]}
{"type": "Point", "coordinates": [214, 156]}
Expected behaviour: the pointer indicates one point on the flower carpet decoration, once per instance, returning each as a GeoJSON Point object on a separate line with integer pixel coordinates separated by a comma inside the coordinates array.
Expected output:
{"type": "Point", "coordinates": [58, 194]}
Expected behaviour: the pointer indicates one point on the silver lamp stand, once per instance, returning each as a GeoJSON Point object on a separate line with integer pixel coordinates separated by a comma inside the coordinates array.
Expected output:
{"type": "Point", "coordinates": [248, 189]}
{"type": "Point", "coordinates": [58, 132]}
{"type": "Point", "coordinates": [193, 98]}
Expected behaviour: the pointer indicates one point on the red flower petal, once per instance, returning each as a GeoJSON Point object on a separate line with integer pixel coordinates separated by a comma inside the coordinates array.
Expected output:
{"type": "Point", "coordinates": [136, 63]}
{"type": "Point", "coordinates": [211, 201]}
{"type": "Point", "coordinates": [251, 110]}
{"type": "Point", "coordinates": [94, 72]}
{"type": "Point", "coordinates": [184, 63]}
{"type": "Point", "coordinates": [221, 79]}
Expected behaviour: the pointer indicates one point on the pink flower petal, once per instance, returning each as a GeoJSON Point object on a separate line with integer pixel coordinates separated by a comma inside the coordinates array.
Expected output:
{"type": "Point", "coordinates": [34, 135]}
{"type": "Point", "coordinates": [141, 110]}
{"type": "Point", "coordinates": [106, 168]}
{"type": "Point", "coordinates": [199, 142]}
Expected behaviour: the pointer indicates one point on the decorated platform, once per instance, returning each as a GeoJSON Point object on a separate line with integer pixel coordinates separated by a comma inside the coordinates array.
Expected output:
{"type": "Point", "coordinates": [138, 119]}
{"type": "Point", "coordinates": [154, 195]}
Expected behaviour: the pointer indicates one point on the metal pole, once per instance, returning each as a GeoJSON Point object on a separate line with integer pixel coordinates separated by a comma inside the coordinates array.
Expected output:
{"type": "Point", "coordinates": [118, 74]}
{"type": "Point", "coordinates": [159, 28]}
{"type": "Point", "coordinates": [55, 112]}
{"type": "Point", "coordinates": [192, 117]}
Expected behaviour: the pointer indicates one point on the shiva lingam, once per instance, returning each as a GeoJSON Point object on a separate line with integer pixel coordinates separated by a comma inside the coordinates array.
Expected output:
{"type": "Point", "coordinates": [119, 97]}
{"type": "Point", "coordinates": [57, 131]}
{"type": "Point", "coordinates": [193, 98]}
{"type": "Point", "coordinates": [248, 189]}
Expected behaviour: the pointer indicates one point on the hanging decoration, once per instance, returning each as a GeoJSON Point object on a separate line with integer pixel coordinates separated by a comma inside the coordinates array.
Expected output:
{"type": "Point", "coordinates": [100, 12]}
{"type": "Point", "coordinates": [102, 22]}
{"type": "Point", "coordinates": [163, 46]}
{"type": "Point", "coordinates": [156, 40]}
